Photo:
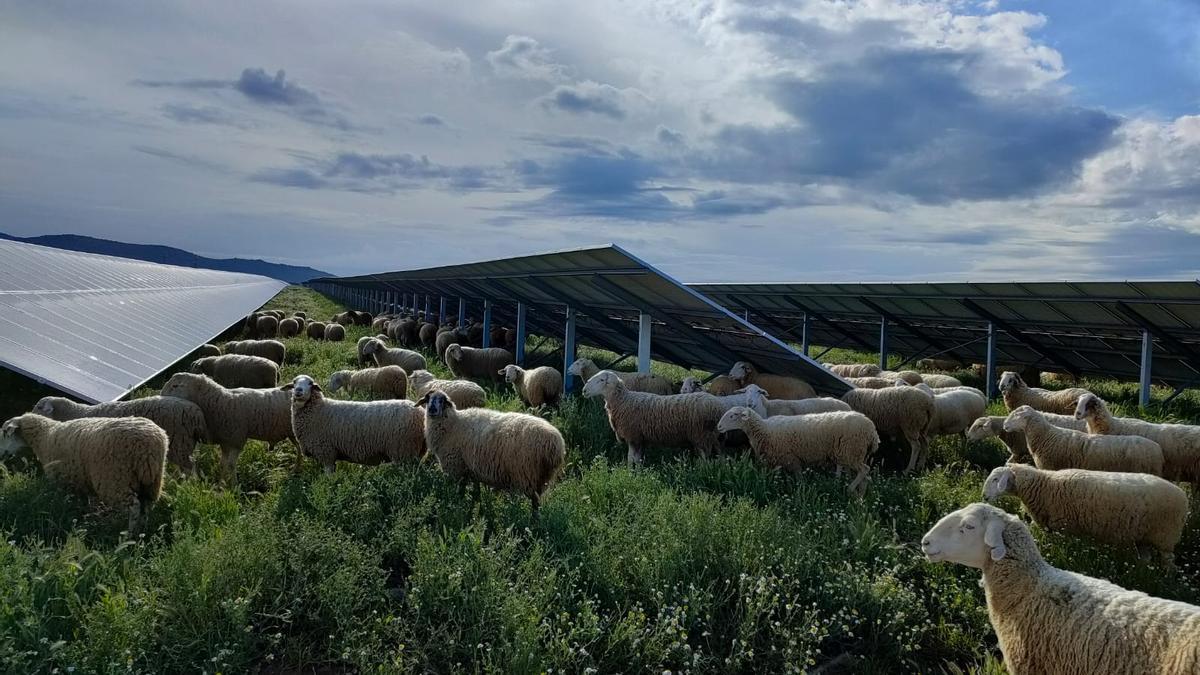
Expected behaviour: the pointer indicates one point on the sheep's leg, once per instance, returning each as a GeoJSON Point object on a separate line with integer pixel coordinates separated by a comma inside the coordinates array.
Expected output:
{"type": "Point", "coordinates": [913, 455]}
{"type": "Point", "coordinates": [229, 459]}
{"type": "Point", "coordinates": [858, 486]}
{"type": "Point", "coordinates": [635, 457]}
{"type": "Point", "coordinates": [1167, 558]}
{"type": "Point", "coordinates": [535, 503]}
{"type": "Point", "coordinates": [135, 516]}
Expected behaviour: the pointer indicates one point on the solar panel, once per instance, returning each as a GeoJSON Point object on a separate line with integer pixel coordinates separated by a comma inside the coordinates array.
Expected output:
{"type": "Point", "coordinates": [610, 288]}
{"type": "Point", "coordinates": [97, 327]}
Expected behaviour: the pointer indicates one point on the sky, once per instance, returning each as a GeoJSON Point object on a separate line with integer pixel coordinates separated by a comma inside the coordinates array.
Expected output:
{"type": "Point", "coordinates": [722, 140]}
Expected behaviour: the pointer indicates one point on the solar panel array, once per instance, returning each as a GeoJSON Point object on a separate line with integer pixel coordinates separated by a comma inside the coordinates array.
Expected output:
{"type": "Point", "coordinates": [1089, 328]}
{"type": "Point", "coordinates": [609, 288]}
{"type": "Point", "coordinates": [97, 327]}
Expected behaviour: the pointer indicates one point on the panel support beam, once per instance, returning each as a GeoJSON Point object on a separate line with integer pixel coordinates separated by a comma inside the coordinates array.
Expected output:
{"type": "Point", "coordinates": [487, 324]}
{"type": "Point", "coordinates": [861, 343]}
{"type": "Point", "coordinates": [441, 317]}
{"type": "Point", "coordinates": [989, 372]}
{"type": "Point", "coordinates": [643, 353]}
{"type": "Point", "coordinates": [1184, 351]}
{"type": "Point", "coordinates": [805, 343]}
{"type": "Point", "coordinates": [1042, 350]}
{"type": "Point", "coordinates": [568, 350]}
{"type": "Point", "coordinates": [883, 343]}
{"type": "Point", "coordinates": [1144, 375]}
{"type": "Point", "coordinates": [522, 309]}
{"type": "Point", "coordinates": [462, 312]}
{"type": "Point", "coordinates": [937, 344]}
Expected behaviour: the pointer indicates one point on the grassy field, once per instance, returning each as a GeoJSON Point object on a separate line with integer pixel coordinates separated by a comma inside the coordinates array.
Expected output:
{"type": "Point", "coordinates": [685, 565]}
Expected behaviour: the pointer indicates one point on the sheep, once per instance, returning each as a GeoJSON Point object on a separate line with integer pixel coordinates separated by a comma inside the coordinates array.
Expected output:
{"type": "Point", "coordinates": [898, 412]}
{"type": "Point", "coordinates": [469, 362]}
{"type": "Point", "coordinates": [236, 370]}
{"type": "Point", "coordinates": [1016, 394]}
{"type": "Point", "coordinates": [343, 319]}
{"type": "Point", "coordinates": [1128, 509]}
{"type": "Point", "coordinates": [300, 316]}
{"type": "Point", "coordinates": [496, 336]}
{"type": "Point", "coordinates": [536, 386]}
{"type": "Point", "coordinates": [936, 380]}
{"type": "Point", "coordinates": [266, 327]}
{"type": "Point", "coordinates": [182, 420]}
{"type": "Point", "coordinates": [464, 393]}
{"type": "Point", "coordinates": [277, 313]}
{"type": "Point", "coordinates": [427, 334]}
{"type": "Point", "coordinates": [757, 400]}
{"type": "Point", "coordinates": [360, 347]}
{"type": "Point", "coordinates": [1049, 620]}
{"type": "Point", "coordinates": [1057, 448]}
{"type": "Point", "coordinates": [234, 415]}
{"type": "Point", "coordinates": [722, 385]}
{"type": "Point", "coordinates": [394, 356]}
{"type": "Point", "coordinates": [379, 324]}
{"type": "Point", "coordinates": [363, 318]}
{"type": "Point", "coordinates": [954, 411]}
{"type": "Point", "coordinates": [993, 427]}
{"type": "Point", "coordinates": [289, 328]}
{"type": "Point", "coordinates": [690, 385]}
{"type": "Point", "coordinates": [939, 364]}
{"type": "Point", "coordinates": [909, 376]}
{"type": "Point", "coordinates": [475, 334]}
{"type": "Point", "coordinates": [640, 419]}
{"type": "Point", "coordinates": [870, 382]}
{"type": "Point", "coordinates": [510, 339]}
{"type": "Point", "coordinates": [406, 332]}
{"type": "Point", "coordinates": [507, 451]}
{"type": "Point", "coordinates": [845, 370]}
{"type": "Point", "coordinates": [1061, 378]}
{"type": "Point", "coordinates": [386, 381]}
{"type": "Point", "coordinates": [846, 439]}
{"type": "Point", "coordinates": [361, 432]}
{"type": "Point", "coordinates": [1180, 442]}
{"type": "Point", "coordinates": [335, 332]}
{"type": "Point", "coordinates": [586, 369]}
{"type": "Point", "coordinates": [445, 338]}
{"type": "Point", "coordinates": [119, 460]}
{"type": "Point", "coordinates": [207, 350]}
{"type": "Point", "coordinates": [315, 330]}
{"type": "Point", "coordinates": [273, 350]}
{"type": "Point", "coordinates": [782, 386]}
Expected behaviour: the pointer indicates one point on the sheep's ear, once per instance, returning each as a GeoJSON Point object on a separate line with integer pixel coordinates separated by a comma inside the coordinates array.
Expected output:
{"type": "Point", "coordinates": [316, 385]}
{"type": "Point", "coordinates": [424, 399]}
{"type": "Point", "coordinates": [287, 387]}
{"type": "Point", "coordinates": [993, 536]}
{"type": "Point", "coordinates": [1004, 481]}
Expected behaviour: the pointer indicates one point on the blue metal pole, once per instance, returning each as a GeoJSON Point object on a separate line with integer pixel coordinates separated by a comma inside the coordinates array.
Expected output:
{"type": "Point", "coordinates": [462, 313]}
{"type": "Point", "coordinates": [520, 346]}
{"type": "Point", "coordinates": [644, 327]}
{"type": "Point", "coordinates": [568, 349]}
{"type": "Point", "coordinates": [1147, 358]}
{"type": "Point", "coordinates": [441, 310]}
{"type": "Point", "coordinates": [487, 324]}
{"type": "Point", "coordinates": [804, 338]}
{"type": "Point", "coordinates": [990, 367]}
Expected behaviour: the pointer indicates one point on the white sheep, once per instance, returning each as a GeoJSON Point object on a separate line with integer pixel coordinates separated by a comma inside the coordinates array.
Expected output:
{"type": "Point", "coordinates": [446, 337]}
{"type": "Point", "coordinates": [908, 376]}
{"type": "Point", "coordinates": [898, 412]}
{"type": "Point", "coordinates": [536, 386]}
{"type": "Point", "coordinates": [464, 393]}
{"type": "Point", "coordinates": [845, 370]}
{"type": "Point", "coordinates": [954, 410]}
{"type": "Point", "coordinates": [315, 330]}
{"type": "Point", "coordinates": [937, 380]}
{"type": "Point", "coordinates": [507, 451]}
{"type": "Point", "coordinates": [758, 401]}
{"type": "Point", "coordinates": [650, 383]}
{"type": "Point", "coordinates": [870, 382]}
{"type": "Point", "coordinates": [236, 370]}
{"type": "Point", "coordinates": [690, 385]}
{"type": "Point", "coordinates": [385, 381]}
{"type": "Point", "coordinates": [1180, 442]}
{"type": "Point", "coordinates": [235, 415]}
{"type": "Point", "coordinates": [119, 460]}
{"type": "Point", "coordinates": [1050, 620]}
{"type": "Point", "coordinates": [266, 327]}
{"type": "Point", "coordinates": [1057, 448]}
{"type": "Point", "coordinates": [394, 356]}
{"type": "Point", "coordinates": [289, 327]}
{"type": "Point", "coordinates": [1124, 509]}
{"type": "Point", "coordinates": [273, 350]}
{"type": "Point", "coordinates": [472, 362]}
{"type": "Point", "coordinates": [362, 432]}
{"type": "Point", "coordinates": [335, 332]}
{"type": "Point", "coordinates": [781, 386]}
{"type": "Point", "coordinates": [993, 427]}
{"type": "Point", "coordinates": [845, 439]}
{"type": "Point", "coordinates": [1016, 394]}
{"type": "Point", "coordinates": [641, 419]}
{"type": "Point", "coordinates": [207, 350]}
{"type": "Point", "coordinates": [182, 420]}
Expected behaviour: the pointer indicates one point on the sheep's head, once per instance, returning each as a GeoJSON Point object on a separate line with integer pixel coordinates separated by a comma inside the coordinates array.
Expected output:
{"type": "Point", "coordinates": [1009, 381]}
{"type": "Point", "coordinates": [511, 373]}
{"type": "Point", "coordinates": [601, 384]}
{"type": "Point", "coordinates": [722, 385]}
{"type": "Point", "coordinates": [1001, 481]}
{"type": "Point", "coordinates": [755, 395]}
{"type": "Point", "coordinates": [741, 371]}
{"type": "Point", "coordinates": [373, 345]}
{"type": "Point", "coordinates": [1018, 419]}
{"type": "Point", "coordinates": [980, 429]}
{"type": "Point", "coordinates": [45, 407]}
{"type": "Point", "coordinates": [734, 418]}
{"type": "Point", "coordinates": [338, 380]}
{"type": "Point", "coordinates": [690, 386]}
{"type": "Point", "coordinates": [11, 440]}
{"type": "Point", "coordinates": [181, 385]}
{"type": "Point", "coordinates": [303, 389]}
{"type": "Point", "coordinates": [969, 536]}
{"type": "Point", "coordinates": [437, 404]}
{"type": "Point", "coordinates": [579, 367]}
{"type": "Point", "coordinates": [201, 365]}
{"type": "Point", "coordinates": [417, 378]}
{"type": "Point", "coordinates": [454, 351]}
{"type": "Point", "coordinates": [922, 387]}
{"type": "Point", "coordinates": [1088, 405]}
{"type": "Point", "coordinates": [382, 338]}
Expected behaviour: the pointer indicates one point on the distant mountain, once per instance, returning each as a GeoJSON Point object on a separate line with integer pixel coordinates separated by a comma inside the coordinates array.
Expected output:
{"type": "Point", "coordinates": [171, 256]}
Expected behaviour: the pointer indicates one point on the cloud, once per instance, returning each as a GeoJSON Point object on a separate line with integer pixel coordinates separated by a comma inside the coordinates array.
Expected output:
{"type": "Point", "coordinates": [668, 136]}
{"type": "Point", "coordinates": [1149, 251]}
{"type": "Point", "coordinates": [430, 121]}
{"type": "Point", "coordinates": [196, 114]}
{"type": "Point", "coordinates": [180, 158]}
{"type": "Point", "coordinates": [359, 172]}
{"type": "Point", "coordinates": [721, 203]}
{"type": "Point", "coordinates": [586, 97]}
{"type": "Point", "coordinates": [1151, 161]}
{"type": "Point", "coordinates": [523, 57]}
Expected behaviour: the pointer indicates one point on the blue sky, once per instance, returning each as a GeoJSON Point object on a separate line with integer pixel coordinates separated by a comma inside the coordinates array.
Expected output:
{"type": "Point", "coordinates": [722, 140]}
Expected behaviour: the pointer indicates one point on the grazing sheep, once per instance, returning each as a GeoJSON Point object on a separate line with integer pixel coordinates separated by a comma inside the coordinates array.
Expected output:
{"type": "Point", "coordinates": [182, 420]}
{"type": "Point", "coordinates": [343, 318]}
{"type": "Point", "coordinates": [266, 327]}
{"type": "Point", "coordinates": [470, 362]}
{"type": "Point", "coordinates": [870, 382]}
{"type": "Point", "coordinates": [641, 419]}
{"type": "Point", "coordinates": [464, 393]}
{"type": "Point", "coordinates": [289, 328]}
{"type": "Point", "coordinates": [758, 401]}
{"type": "Point", "coordinates": [1180, 442]}
{"type": "Point", "coordinates": [1049, 620]}
{"type": "Point", "coordinates": [315, 330]}
{"type": "Point", "coordinates": [207, 350]}
{"type": "Point", "coordinates": [845, 370]}
{"type": "Point", "coordinates": [1122, 509]}
{"type": "Point", "coordinates": [507, 451]}
{"type": "Point", "coordinates": [993, 427]}
{"type": "Point", "coordinates": [386, 381]}
{"type": "Point", "coordinates": [846, 439]}
{"type": "Point", "coordinates": [898, 412]}
{"type": "Point", "coordinates": [393, 356]}
{"type": "Point", "coordinates": [445, 338]}
{"type": "Point", "coordinates": [301, 316]}
{"type": "Point", "coordinates": [234, 415]}
{"type": "Point", "coordinates": [361, 432]}
{"type": "Point", "coordinates": [1016, 394]}
{"type": "Point", "coordinates": [937, 381]}
{"type": "Point", "coordinates": [428, 335]}
{"type": "Point", "coordinates": [536, 386]}
{"type": "Point", "coordinates": [781, 386]}
{"type": "Point", "coordinates": [335, 332]}
{"type": "Point", "coordinates": [1057, 448]}
{"type": "Point", "coordinates": [954, 411]}
{"type": "Point", "coordinates": [586, 369]}
{"type": "Point", "coordinates": [360, 347]}
{"type": "Point", "coordinates": [236, 370]}
{"type": "Point", "coordinates": [119, 460]}
{"type": "Point", "coordinates": [273, 350]}
{"type": "Point", "coordinates": [406, 332]}
{"type": "Point", "coordinates": [1061, 378]}
{"type": "Point", "coordinates": [363, 318]}
{"type": "Point", "coordinates": [939, 364]}
{"type": "Point", "coordinates": [379, 324]}
{"type": "Point", "coordinates": [908, 376]}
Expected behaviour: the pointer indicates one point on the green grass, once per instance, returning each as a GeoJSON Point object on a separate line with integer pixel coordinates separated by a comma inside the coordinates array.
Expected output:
{"type": "Point", "coordinates": [684, 565]}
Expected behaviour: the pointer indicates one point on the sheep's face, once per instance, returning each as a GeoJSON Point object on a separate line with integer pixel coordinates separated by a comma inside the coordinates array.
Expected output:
{"type": "Point", "coordinates": [11, 441]}
{"type": "Point", "coordinates": [577, 367]}
{"type": "Point", "coordinates": [338, 380]}
{"type": "Point", "coordinates": [454, 351]}
{"type": "Point", "coordinates": [1087, 406]}
{"type": "Point", "coordinates": [418, 378]}
{"type": "Point", "coordinates": [510, 373]}
{"type": "Point", "coordinates": [302, 387]}
{"type": "Point", "coordinates": [734, 418]}
{"type": "Point", "coordinates": [969, 536]}
{"type": "Point", "coordinates": [45, 407]}
{"type": "Point", "coordinates": [740, 371]}
{"type": "Point", "coordinates": [199, 365]}
{"type": "Point", "coordinates": [1019, 418]}
{"type": "Point", "coordinates": [601, 383]}
{"type": "Point", "coordinates": [1009, 381]}
{"type": "Point", "coordinates": [999, 482]}
{"type": "Point", "coordinates": [437, 404]}
{"type": "Point", "coordinates": [689, 386]}
{"type": "Point", "coordinates": [980, 429]}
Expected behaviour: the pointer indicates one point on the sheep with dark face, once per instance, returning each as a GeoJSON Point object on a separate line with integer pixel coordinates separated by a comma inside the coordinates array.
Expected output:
{"type": "Point", "coordinates": [1016, 394]}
